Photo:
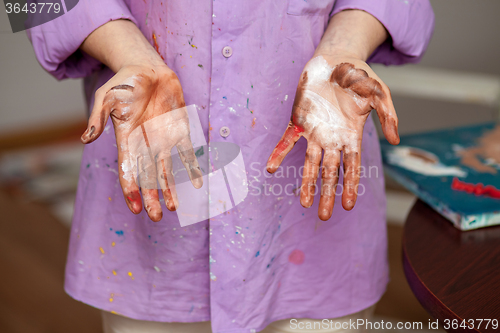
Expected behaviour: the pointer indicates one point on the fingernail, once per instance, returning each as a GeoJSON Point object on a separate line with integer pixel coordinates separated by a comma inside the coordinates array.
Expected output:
{"type": "Point", "coordinates": [134, 200]}
{"type": "Point", "coordinates": [92, 129]}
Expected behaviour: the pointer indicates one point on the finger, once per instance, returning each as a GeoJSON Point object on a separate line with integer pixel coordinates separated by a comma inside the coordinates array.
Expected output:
{"type": "Point", "coordinates": [310, 176]}
{"type": "Point", "coordinates": [126, 176]}
{"type": "Point", "coordinates": [188, 158]}
{"type": "Point", "coordinates": [127, 169]}
{"type": "Point", "coordinates": [167, 183]}
{"type": "Point", "coordinates": [329, 180]}
{"type": "Point", "coordinates": [148, 181]}
{"type": "Point", "coordinates": [98, 117]}
{"type": "Point", "coordinates": [288, 140]}
{"type": "Point", "coordinates": [152, 204]}
{"type": "Point", "coordinates": [387, 114]}
{"type": "Point", "coordinates": [352, 163]}
{"type": "Point", "coordinates": [148, 185]}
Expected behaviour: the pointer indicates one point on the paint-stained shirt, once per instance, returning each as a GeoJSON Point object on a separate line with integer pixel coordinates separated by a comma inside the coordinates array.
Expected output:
{"type": "Point", "coordinates": [267, 258]}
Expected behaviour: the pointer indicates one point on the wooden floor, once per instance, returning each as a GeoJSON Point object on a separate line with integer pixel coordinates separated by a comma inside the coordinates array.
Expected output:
{"type": "Point", "coordinates": [32, 256]}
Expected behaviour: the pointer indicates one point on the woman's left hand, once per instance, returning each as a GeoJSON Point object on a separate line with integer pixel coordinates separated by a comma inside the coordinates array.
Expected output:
{"type": "Point", "coordinates": [334, 97]}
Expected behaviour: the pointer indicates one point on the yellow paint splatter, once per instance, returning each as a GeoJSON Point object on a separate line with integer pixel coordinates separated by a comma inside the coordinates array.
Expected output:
{"type": "Point", "coordinates": [131, 276]}
{"type": "Point", "coordinates": [110, 300]}
{"type": "Point", "coordinates": [192, 45]}
{"type": "Point", "coordinates": [253, 122]}
{"type": "Point", "coordinates": [114, 272]}
{"type": "Point", "coordinates": [102, 250]}
{"type": "Point", "coordinates": [109, 198]}
{"type": "Point", "coordinates": [114, 312]}
{"type": "Point", "coordinates": [113, 243]}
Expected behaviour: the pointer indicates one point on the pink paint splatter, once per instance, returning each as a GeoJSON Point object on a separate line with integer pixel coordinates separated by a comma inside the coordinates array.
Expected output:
{"type": "Point", "coordinates": [296, 257]}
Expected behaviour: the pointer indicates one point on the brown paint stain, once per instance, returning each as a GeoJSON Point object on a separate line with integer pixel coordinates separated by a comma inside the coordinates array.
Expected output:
{"type": "Point", "coordinates": [299, 102]}
{"type": "Point", "coordinates": [357, 80]}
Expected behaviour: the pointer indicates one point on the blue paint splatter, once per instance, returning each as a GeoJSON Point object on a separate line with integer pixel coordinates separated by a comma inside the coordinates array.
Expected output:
{"type": "Point", "coordinates": [119, 232]}
{"type": "Point", "coordinates": [257, 254]}
{"type": "Point", "coordinates": [224, 97]}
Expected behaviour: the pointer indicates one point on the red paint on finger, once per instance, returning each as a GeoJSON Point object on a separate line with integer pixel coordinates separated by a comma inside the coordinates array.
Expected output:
{"type": "Point", "coordinates": [134, 199]}
{"type": "Point", "coordinates": [291, 136]}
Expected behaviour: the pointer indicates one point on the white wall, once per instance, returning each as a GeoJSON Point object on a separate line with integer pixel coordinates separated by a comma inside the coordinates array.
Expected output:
{"type": "Point", "coordinates": [466, 38]}
{"type": "Point", "coordinates": [29, 96]}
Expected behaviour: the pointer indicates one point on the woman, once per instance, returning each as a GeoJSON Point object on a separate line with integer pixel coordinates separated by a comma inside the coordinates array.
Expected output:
{"type": "Point", "coordinates": [269, 258]}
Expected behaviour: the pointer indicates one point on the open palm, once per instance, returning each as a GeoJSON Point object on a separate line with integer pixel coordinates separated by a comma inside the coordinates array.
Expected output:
{"type": "Point", "coordinates": [333, 101]}
{"type": "Point", "coordinates": [148, 112]}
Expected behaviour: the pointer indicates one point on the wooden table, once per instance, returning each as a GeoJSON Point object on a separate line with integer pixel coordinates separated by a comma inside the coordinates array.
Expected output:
{"type": "Point", "coordinates": [454, 274]}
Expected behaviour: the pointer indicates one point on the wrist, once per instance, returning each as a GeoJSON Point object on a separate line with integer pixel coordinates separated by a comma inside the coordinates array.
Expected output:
{"type": "Point", "coordinates": [354, 33]}
{"type": "Point", "coordinates": [338, 53]}
{"type": "Point", "coordinates": [118, 44]}
{"type": "Point", "coordinates": [143, 58]}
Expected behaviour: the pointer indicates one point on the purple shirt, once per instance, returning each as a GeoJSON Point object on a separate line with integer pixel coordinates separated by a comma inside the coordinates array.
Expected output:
{"type": "Point", "coordinates": [268, 258]}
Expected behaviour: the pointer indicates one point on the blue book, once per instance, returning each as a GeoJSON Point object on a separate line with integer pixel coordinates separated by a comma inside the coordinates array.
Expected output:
{"type": "Point", "coordinates": [456, 171]}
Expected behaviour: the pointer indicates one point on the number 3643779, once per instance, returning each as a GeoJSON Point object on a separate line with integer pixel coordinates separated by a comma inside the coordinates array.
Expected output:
{"type": "Point", "coordinates": [470, 324]}
{"type": "Point", "coordinates": [33, 8]}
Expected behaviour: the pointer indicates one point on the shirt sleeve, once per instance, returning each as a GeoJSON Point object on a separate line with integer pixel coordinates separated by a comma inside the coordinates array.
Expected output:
{"type": "Point", "coordinates": [410, 24]}
{"type": "Point", "coordinates": [56, 43]}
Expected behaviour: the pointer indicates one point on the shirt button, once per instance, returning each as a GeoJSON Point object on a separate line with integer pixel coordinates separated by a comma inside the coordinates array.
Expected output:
{"type": "Point", "coordinates": [224, 131]}
{"type": "Point", "coordinates": [227, 51]}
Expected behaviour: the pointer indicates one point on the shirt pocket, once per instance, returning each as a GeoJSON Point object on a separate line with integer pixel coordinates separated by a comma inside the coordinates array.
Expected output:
{"type": "Point", "coordinates": [309, 7]}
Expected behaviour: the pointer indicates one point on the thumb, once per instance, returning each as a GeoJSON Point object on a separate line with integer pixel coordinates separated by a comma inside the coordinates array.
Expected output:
{"type": "Point", "coordinates": [98, 118]}
{"type": "Point", "coordinates": [388, 118]}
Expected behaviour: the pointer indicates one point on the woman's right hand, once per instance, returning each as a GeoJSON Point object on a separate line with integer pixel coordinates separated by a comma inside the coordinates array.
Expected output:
{"type": "Point", "coordinates": [143, 88]}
